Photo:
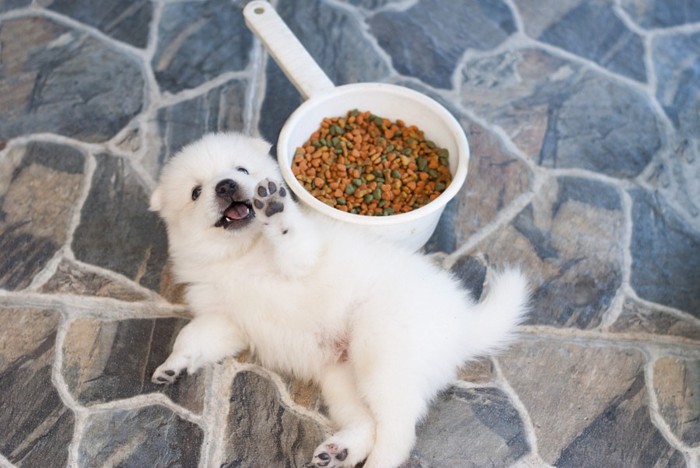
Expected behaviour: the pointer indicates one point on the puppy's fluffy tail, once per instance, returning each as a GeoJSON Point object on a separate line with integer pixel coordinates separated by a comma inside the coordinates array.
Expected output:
{"type": "Point", "coordinates": [495, 318]}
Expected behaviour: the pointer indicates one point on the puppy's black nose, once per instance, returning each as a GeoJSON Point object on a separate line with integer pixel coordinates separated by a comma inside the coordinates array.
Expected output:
{"type": "Point", "coordinates": [226, 188]}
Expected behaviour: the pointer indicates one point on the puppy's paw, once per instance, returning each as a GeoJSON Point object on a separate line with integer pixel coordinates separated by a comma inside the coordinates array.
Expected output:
{"type": "Point", "coordinates": [168, 372]}
{"type": "Point", "coordinates": [331, 454]}
{"type": "Point", "coordinates": [270, 198]}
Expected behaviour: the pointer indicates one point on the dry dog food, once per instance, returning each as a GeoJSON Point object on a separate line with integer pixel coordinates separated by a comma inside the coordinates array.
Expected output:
{"type": "Point", "coordinates": [368, 165]}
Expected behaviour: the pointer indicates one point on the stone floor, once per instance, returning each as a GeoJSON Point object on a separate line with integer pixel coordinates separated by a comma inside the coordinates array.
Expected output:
{"type": "Point", "coordinates": [584, 124]}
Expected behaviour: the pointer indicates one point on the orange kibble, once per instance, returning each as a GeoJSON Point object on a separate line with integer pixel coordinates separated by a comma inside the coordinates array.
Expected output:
{"type": "Point", "coordinates": [349, 161]}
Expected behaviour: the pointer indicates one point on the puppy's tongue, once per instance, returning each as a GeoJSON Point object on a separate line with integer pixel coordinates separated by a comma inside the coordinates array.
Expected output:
{"type": "Point", "coordinates": [237, 211]}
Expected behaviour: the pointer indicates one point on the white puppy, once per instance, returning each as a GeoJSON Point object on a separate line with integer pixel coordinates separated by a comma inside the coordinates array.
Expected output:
{"type": "Point", "coordinates": [380, 329]}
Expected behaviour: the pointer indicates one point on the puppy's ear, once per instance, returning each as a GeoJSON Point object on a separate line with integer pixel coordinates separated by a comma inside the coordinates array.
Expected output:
{"type": "Point", "coordinates": [261, 145]}
{"type": "Point", "coordinates": [156, 200]}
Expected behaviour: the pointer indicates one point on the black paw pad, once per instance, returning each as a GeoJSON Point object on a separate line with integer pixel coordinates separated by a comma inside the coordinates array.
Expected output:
{"type": "Point", "coordinates": [262, 191]}
{"type": "Point", "coordinates": [283, 192]}
{"type": "Point", "coordinates": [170, 372]}
{"type": "Point", "coordinates": [258, 204]}
{"type": "Point", "coordinates": [272, 187]}
{"type": "Point", "coordinates": [274, 208]}
{"type": "Point", "coordinates": [342, 455]}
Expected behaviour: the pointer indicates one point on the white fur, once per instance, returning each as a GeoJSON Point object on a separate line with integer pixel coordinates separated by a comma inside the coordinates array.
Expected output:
{"type": "Point", "coordinates": [382, 330]}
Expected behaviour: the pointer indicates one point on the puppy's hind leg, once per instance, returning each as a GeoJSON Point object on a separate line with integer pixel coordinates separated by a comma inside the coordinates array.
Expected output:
{"type": "Point", "coordinates": [292, 236]}
{"type": "Point", "coordinates": [351, 443]}
{"type": "Point", "coordinates": [206, 339]}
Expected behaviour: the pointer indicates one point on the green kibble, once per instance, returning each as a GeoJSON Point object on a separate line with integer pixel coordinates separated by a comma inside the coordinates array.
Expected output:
{"type": "Point", "coordinates": [368, 198]}
{"type": "Point", "coordinates": [338, 129]}
{"type": "Point", "coordinates": [377, 193]}
{"type": "Point", "coordinates": [395, 174]}
{"type": "Point", "coordinates": [378, 121]}
{"type": "Point", "coordinates": [408, 151]}
{"type": "Point", "coordinates": [350, 189]}
{"type": "Point", "coordinates": [430, 144]}
{"type": "Point", "coordinates": [422, 163]}
{"type": "Point", "coordinates": [341, 201]}
{"type": "Point", "coordinates": [377, 173]}
{"type": "Point", "coordinates": [439, 186]}
{"type": "Point", "coordinates": [354, 112]}
{"type": "Point", "coordinates": [443, 153]}
{"type": "Point", "coordinates": [357, 182]}
{"type": "Point", "coordinates": [433, 173]}
{"type": "Point", "coordinates": [316, 144]}
{"type": "Point", "coordinates": [390, 148]}
{"type": "Point", "coordinates": [388, 211]}
{"type": "Point", "coordinates": [338, 151]}
{"type": "Point", "coordinates": [355, 211]}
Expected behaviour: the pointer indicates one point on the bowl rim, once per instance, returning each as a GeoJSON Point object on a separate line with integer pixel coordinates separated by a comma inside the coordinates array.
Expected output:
{"type": "Point", "coordinates": [458, 177]}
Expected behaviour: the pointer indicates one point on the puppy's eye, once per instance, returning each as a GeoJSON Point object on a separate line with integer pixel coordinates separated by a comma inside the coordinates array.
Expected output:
{"type": "Point", "coordinates": [196, 192]}
{"type": "Point", "coordinates": [243, 170]}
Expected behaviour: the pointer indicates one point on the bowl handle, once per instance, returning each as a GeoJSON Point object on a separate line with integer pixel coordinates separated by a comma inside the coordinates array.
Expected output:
{"type": "Point", "coordinates": [286, 50]}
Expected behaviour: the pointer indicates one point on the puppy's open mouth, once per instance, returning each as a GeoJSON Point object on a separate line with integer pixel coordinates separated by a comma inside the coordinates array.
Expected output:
{"type": "Point", "coordinates": [235, 215]}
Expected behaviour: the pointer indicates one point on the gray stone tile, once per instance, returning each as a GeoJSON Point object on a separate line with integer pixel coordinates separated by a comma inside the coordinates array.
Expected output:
{"type": "Point", "coordinates": [71, 278]}
{"type": "Point", "coordinates": [588, 405]}
{"type": "Point", "coordinates": [124, 20]}
{"type": "Point", "coordinates": [115, 218]}
{"type": "Point", "coordinates": [590, 29]}
{"type": "Point", "coordinates": [150, 436]}
{"type": "Point", "coordinates": [494, 179]}
{"type": "Point", "coordinates": [569, 240]}
{"type": "Point", "coordinates": [261, 431]}
{"type": "Point", "coordinates": [471, 271]}
{"type": "Point", "coordinates": [40, 185]}
{"type": "Point", "coordinates": [483, 418]}
{"type": "Point", "coordinates": [662, 13]}
{"type": "Point", "coordinates": [335, 39]}
{"type": "Point", "coordinates": [639, 319]}
{"type": "Point", "coordinates": [337, 42]}
{"type": "Point", "coordinates": [220, 109]}
{"type": "Point", "coordinates": [676, 383]}
{"type": "Point", "coordinates": [561, 115]}
{"type": "Point", "coordinates": [665, 254]}
{"type": "Point", "coordinates": [54, 72]}
{"type": "Point", "coordinates": [8, 5]}
{"type": "Point", "coordinates": [677, 66]}
{"type": "Point", "coordinates": [112, 360]}
{"type": "Point", "coordinates": [427, 40]}
{"type": "Point", "coordinates": [37, 427]}
{"type": "Point", "coordinates": [198, 41]}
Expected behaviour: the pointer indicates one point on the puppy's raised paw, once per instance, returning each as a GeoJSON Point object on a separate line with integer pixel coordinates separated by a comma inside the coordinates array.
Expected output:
{"type": "Point", "coordinates": [270, 198]}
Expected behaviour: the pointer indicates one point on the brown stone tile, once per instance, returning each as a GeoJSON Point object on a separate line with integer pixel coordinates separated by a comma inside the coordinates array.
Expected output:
{"type": "Point", "coordinates": [111, 360]}
{"type": "Point", "coordinates": [494, 179]}
{"type": "Point", "coordinates": [569, 241]}
{"type": "Point", "coordinates": [70, 278]}
{"type": "Point", "coordinates": [637, 318]}
{"type": "Point", "coordinates": [261, 431]}
{"type": "Point", "coordinates": [40, 185]}
{"type": "Point", "coordinates": [36, 427]}
{"type": "Point", "coordinates": [470, 427]}
{"type": "Point", "coordinates": [677, 387]}
{"type": "Point", "coordinates": [151, 436]}
{"type": "Point", "coordinates": [588, 405]}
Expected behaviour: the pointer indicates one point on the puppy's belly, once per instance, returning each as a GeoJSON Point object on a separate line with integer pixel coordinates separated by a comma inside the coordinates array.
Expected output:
{"type": "Point", "coordinates": [299, 352]}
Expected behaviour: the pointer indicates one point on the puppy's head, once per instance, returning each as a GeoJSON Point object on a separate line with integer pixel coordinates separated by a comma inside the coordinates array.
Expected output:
{"type": "Point", "coordinates": [205, 191]}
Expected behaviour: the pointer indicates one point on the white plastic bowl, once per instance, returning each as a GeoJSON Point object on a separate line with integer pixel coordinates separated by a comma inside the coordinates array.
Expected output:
{"type": "Point", "coordinates": [412, 229]}
{"type": "Point", "coordinates": [323, 99]}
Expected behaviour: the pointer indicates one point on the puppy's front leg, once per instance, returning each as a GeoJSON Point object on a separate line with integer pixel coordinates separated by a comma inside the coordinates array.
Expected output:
{"type": "Point", "coordinates": [206, 339]}
{"type": "Point", "coordinates": [291, 234]}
